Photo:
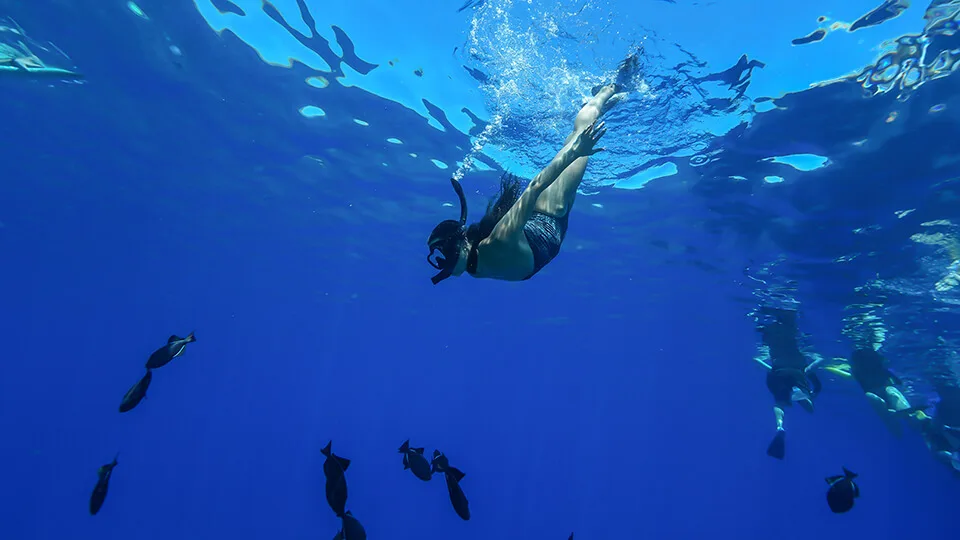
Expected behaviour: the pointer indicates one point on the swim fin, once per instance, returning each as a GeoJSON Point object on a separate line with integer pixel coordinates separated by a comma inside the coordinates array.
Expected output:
{"type": "Point", "coordinates": [778, 446]}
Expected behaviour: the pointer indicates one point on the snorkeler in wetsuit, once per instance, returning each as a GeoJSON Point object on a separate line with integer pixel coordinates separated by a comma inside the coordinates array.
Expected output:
{"type": "Point", "coordinates": [522, 231]}
{"type": "Point", "coordinates": [941, 432]}
{"type": "Point", "coordinates": [790, 378]}
{"type": "Point", "coordinates": [869, 368]}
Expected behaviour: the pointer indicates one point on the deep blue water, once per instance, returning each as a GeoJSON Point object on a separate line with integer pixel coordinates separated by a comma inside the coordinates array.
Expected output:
{"type": "Point", "coordinates": [613, 395]}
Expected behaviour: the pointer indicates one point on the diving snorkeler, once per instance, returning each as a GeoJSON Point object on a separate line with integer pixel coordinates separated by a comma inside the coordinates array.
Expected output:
{"type": "Point", "coordinates": [16, 58]}
{"type": "Point", "coordinates": [522, 231]}
{"type": "Point", "coordinates": [790, 378]}
{"type": "Point", "coordinates": [869, 368]}
{"type": "Point", "coordinates": [941, 432]}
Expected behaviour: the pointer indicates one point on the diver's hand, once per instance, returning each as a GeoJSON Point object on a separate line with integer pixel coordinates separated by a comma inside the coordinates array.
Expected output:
{"type": "Point", "coordinates": [585, 143]}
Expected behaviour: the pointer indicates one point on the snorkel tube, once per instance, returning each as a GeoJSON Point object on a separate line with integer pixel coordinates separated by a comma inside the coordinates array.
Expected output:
{"type": "Point", "coordinates": [463, 200]}
{"type": "Point", "coordinates": [448, 238]}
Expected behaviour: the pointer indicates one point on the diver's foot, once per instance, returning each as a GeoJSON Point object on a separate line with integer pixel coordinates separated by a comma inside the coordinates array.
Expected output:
{"type": "Point", "coordinates": [607, 96]}
{"type": "Point", "coordinates": [614, 100]}
{"type": "Point", "coordinates": [626, 74]}
{"type": "Point", "coordinates": [604, 98]}
{"type": "Point", "coordinates": [627, 71]}
{"type": "Point", "coordinates": [624, 83]}
{"type": "Point", "coordinates": [595, 91]}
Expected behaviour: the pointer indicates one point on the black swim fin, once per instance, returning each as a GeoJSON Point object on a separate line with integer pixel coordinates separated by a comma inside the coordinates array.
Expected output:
{"type": "Point", "coordinates": [778, 446]}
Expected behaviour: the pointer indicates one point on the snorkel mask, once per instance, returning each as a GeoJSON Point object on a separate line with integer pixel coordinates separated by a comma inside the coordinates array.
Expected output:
{"type": "Point", "coordinates": [448, 238]}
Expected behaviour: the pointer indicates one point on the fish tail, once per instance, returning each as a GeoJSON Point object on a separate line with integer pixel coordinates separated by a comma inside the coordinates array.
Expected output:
{"type": "Point", "coordinates": [191, 337]}
{"type": "Point", "coordinates": [405, 447]}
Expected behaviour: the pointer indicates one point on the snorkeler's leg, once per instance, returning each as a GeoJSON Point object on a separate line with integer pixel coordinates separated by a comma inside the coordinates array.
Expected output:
{"type": "Point", "coordinates": [950, 459]}
{"type": "Point", "coordinates": [952, 434]}
{"type": "Point", "coordinates": [896, 401]}
{"type": "Point", "coordinates": [878, 403]}
{"type": "Point", "coordinates": [557, 199]}
{"type": "Point", "coordinates": [882, 408]}
{"type": "Point", "coordinates": [778, 445]}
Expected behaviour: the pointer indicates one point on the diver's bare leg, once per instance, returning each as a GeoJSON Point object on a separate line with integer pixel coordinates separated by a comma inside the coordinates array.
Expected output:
{"type": "Point", "coordinates": [896, 399]}
{"type": "Point", "coordinates": [557, 199]}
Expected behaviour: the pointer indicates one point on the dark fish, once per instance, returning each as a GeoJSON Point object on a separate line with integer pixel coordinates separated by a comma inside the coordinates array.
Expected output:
{"type": "Point", "coordinates": [735, 75]}
{"type": "Point", "coordinates": [136, 393]}
{"type": "Point", "coordinates": [413, 459]}
{"type": "Point", "coordinates": [103, 482]}
{"type": "Point", "coordinates": [890, 9]}
{"type": "Point", "coordinates": [352, 529]}
{"type": "Point", "coordinates": [812, 37]}
{"type": "Point", "coordinates": [453, 477]}
{"type": "Point", "coordinates": [843, 490]}
{"type": "Point", "coordinates": [471, 4]}
{"type": "Point", "coordinates": [480, 76]}
{"type": "Point", "coordinates": [174, 348]}
{"type": "Point", "coordinates": [226, 6]}
{"type": "Point", "coordinates": [336, 487]}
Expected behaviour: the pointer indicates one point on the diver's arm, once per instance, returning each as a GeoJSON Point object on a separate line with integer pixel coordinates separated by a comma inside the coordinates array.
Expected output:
{"type": "Point", "coordinates": [764, 352]}
{"type": "Point", "coordinates": [518, 215]}
{"type": "Point", "coordinates": [762, 363]}
{"type": "Point", "coordinates": [815, 364]}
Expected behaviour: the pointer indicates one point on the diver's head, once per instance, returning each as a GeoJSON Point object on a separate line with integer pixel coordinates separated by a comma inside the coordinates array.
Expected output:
{"type": "Point", "coordinates": [450, 239]}
{"type": "Point", "coordinates": [448, 250]}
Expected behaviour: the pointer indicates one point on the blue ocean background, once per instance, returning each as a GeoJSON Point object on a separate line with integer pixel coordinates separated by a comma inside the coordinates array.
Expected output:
{"type": "Point", "coordinates": [189, 182]}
